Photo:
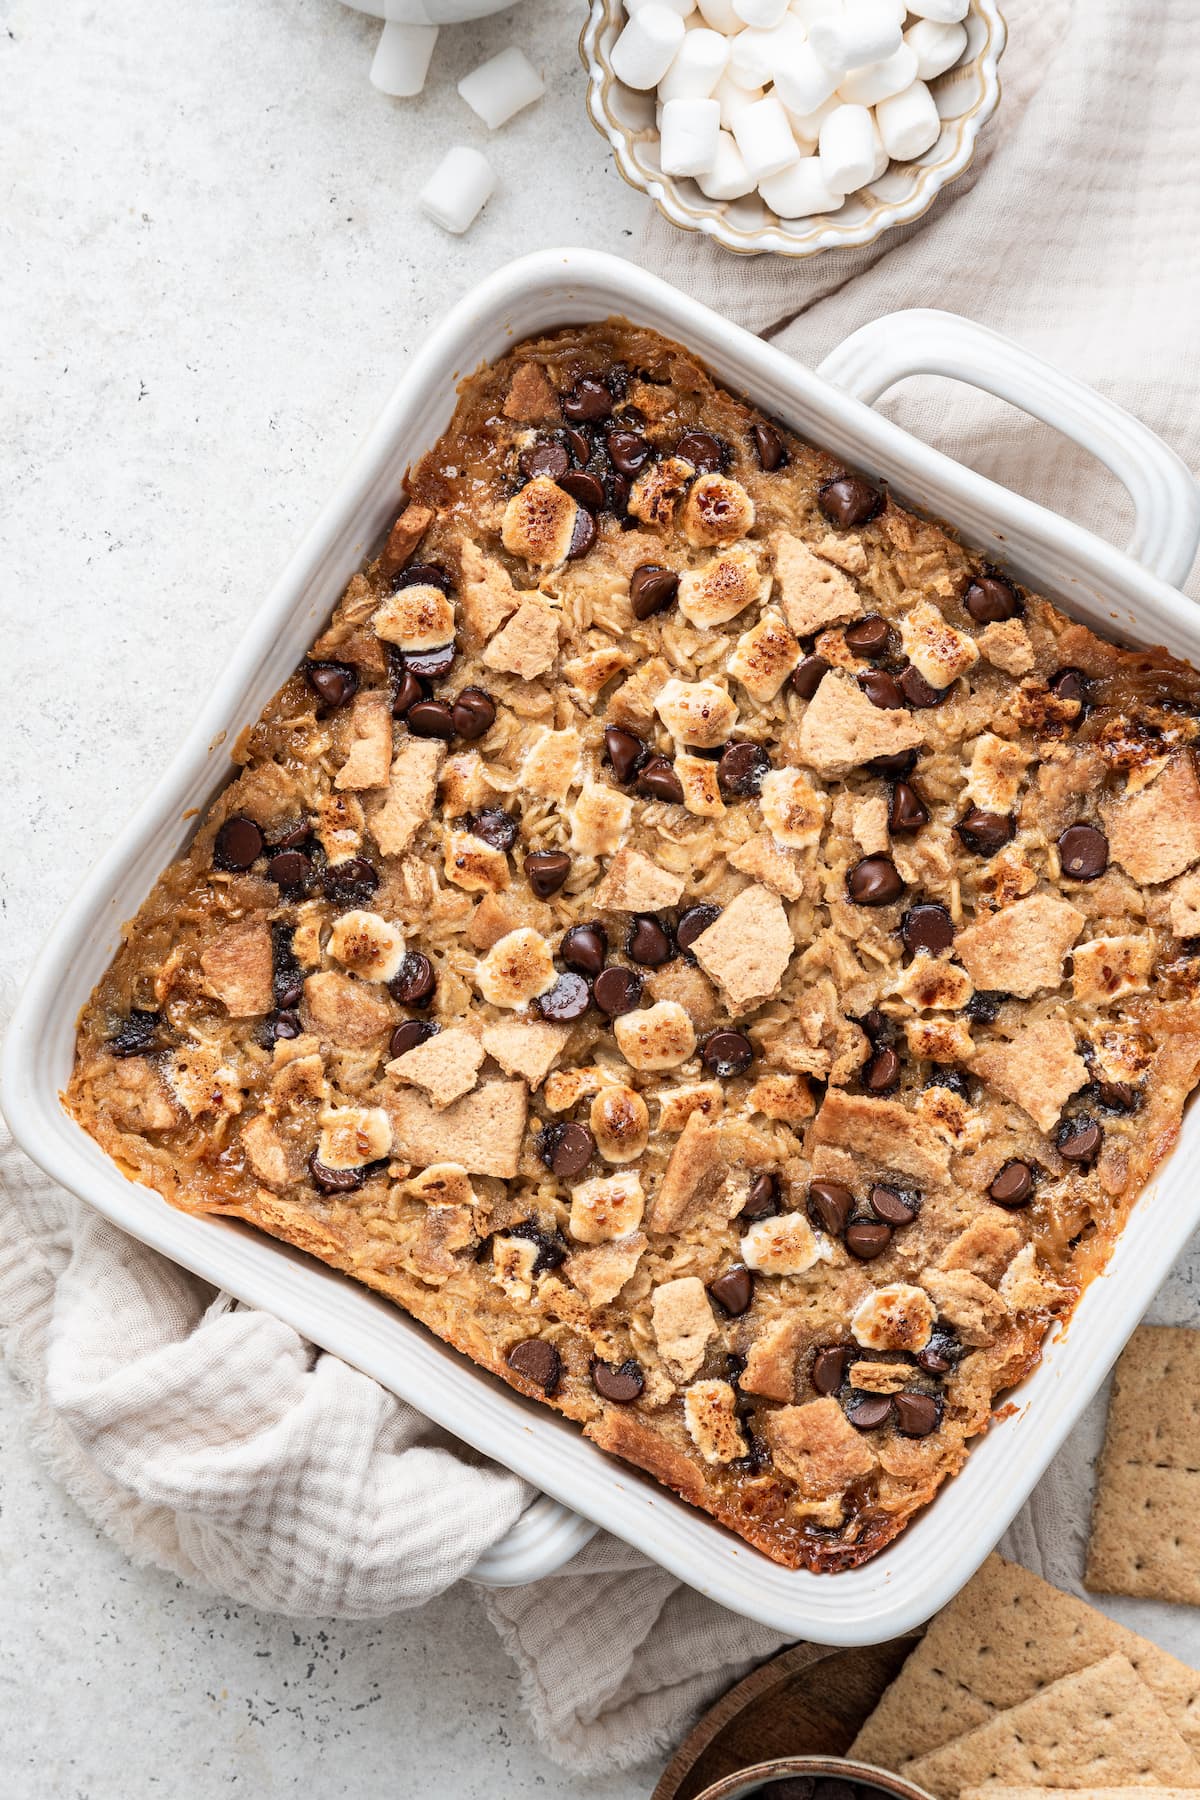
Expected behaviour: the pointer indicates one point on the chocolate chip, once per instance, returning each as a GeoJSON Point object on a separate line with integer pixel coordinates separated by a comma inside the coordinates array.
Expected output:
{"type": "Point", "coordinates": [408, 691]}
{"type": "Point", "coordinates": [284, 1024]}
{"type": "Point", "coordinates": [907, 811]}
{"type": "Point", "coordinates": [620, 1385]}
{"type": "Point", "coordinates": [552, 1247]}
{"type": "Point", "coordinates": [579, 444]}
{"type": "Point", "coordinates": [920, 693]}
{"type": "Point", "coordinates": [892, 1207]}
{"type": "Point", "coordinates": [413, 1032]}
{"type": "Point", "coordinates": [830, 1205]}
{"type": "Point", "coordinates": [695, 920]}
{"type": "Point", "coordinates": [1071, 684]}
{"type": "Point", "coordinates": [583, 536]}
{"type": "Point", "coordinates": [1083, 852]}
{"type": "Point", "coordinates": [293, 837]}
{"type": "Point", "coordinates": [868, 637]}
{"type": "Point", "coordinates": [881, 690]}
{"type": "Point", "coordinates": [704, 451]}
{"type": "Point", "coordinates": [829, 1368]}
{"type": "Point", "coordinates": [546, 870]}
{"type": "Point", "coordinates": [628, 451]}
{"type": "Point", "coordinates": [1012, 1185]}
{"type": "Point", "coordinates": [733, 1291]}
{"type": "Point", "coordinates": [648, 942]}
{"type": "Point", "coordinates": [424, 575]}
{"type": "Point", "coordinates": [290, 870]}
{"type": "Point", "coordinates": [983, 1008]}
{"type": "Point", "coordinates": [954, 1079]}
{"type": "Point", "coordinates": [585, 489]}
{"type": "Point", "coordinates": [496, 827]}
{"type": "Point", "coordinates": [899, 762]}
{"type": "Point", "coordinates": [430, 719]}
{"type": "Point", "coordinates": [617, 990]}
{"type": "Point", "coordinates": [289, 988]}
{"type": "Point", "coordinates": [1079, 1139]}
{"type": "Point", "coordinates": [867, 1238]}
{"type": "Point", "coordinates": [567, 1000]}
{"type": "Point", "coordinates": [473, 713]}
{"type": "Point", "coordinates": [941, 1354]}
{"type": "Point", "coordinates": [431, 665]}
{"type": "Point", "coordinates": [237, 844]}
{"type": "Point", "coordinates": [882, 1073]}
{"type": "Point", "coordinates": [335, 1181]}
{"type": "Point", "coordinates": [867, 1412]}
{"type": "Point", "coordinates": [727, 1053]}
{"type": "Point", "coordinates": [588, 400]}
{"type": "Point", "coordinates": [137, 1033]}
{"type": "Point", "coordinates": [415, 982]}
{"type": "Point", "coordinates": [917, 1414]}
{"type": "Point", "coordinates": [985, 832]}
{"type": "Point", "coordinates": [772, 451]}
{"type": "Point", "coordinates": [849, 500]}
{"type": "Point", "coordinates": [585, 947]}
{"type": "Point", "coordinates": [658, 781]}
{"type": "Point", "coordinates": [334, 683]}
{"type": "Point", "coordinates": [566, 1150]}
{"type": "Point", "coordinates": [927, 927]}
{"type": "Point", "coordinates": [808, 675]}
{"type": "Point", "coordinates": [651, 588]}
{"type": "Point", "coordinates": [762, 1202]}
{"type": "Point", "coordinates": [349, 883]}
{"type": "Point", "coordinates": [538, 1361]}
{"type": "Point", "coordinates": [741, 769]}
{"type": "Point", "coordinates": [547, 459]}
{"type": "Point", "coordinates": [626, 752]}
{"type": "Point", "coordinates": [990, 599]}
{"type": "Point", "coordinates": [1117, 1096]}
{"type": "Point", "coordinates": [874, 881]}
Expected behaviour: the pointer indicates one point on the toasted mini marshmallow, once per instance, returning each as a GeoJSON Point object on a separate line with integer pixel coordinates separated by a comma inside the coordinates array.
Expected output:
{"type": "Point", "coordinates": [606, 1207]}
{"type": "Point", "coordinates": [696, 712]}
{"type": "Point", "coordinates": [723, 588]}
{"type": "Point", "coordinates": [710, 1413]}
{"type": "Point", "coordinates": [701, 788]}
{"type": "Point", "coordinates": [997, 770]}
{"type": "Point", "coordinates": [658, 490]}
{"type": "Point", "coordinates": [718, 510]}
{"type": "Point", "coordinates": [898, 1317]}
{"type": "Point", "coordinates": [620, 1122]}
{"type": "Point", "coordinates": [539, 523]}
{"type": "Point", "coordinates": [202, 1081]}
{"type": "Point", "coordinates": [415, 618]}
{"type": "Point", "coordinates": [793, 810]}
{"type": "Point", "coordinates": [340, 825]}
{"type": "Point", "coordinates": [936, 649]}
{"type": "Point", "coordinates": [764, 657]}
{"type": "Point", "coordinates": [785, 1245]}
{"type": "Point", "coordinates": [931, 985]}
{"type": "Point", "coordinates": [372, 947]}
{"type": "Point", "coordinates": [474, 866]}
{"type": "Point", "coordinates": [513, 1262]}
{"type": "Point", "coordinates": [939, 1040]}
{"type": "Point", "coordinates": [353, 1135]}
{"type": "Point", "coordinates": [599, 820]}
{"type": "Point", "coordinates": [661, 1037]}
{"type": "Point", "coordinates": [516, 969]}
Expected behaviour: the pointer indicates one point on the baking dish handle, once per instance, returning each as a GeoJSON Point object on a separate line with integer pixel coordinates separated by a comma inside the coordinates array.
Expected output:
{"type": "Point", "coordinates": [1166, 497]}
{"type": "Point", "coordinates": [545, 1537]}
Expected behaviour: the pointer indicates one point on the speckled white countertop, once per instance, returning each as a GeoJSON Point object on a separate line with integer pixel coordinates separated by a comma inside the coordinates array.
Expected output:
{"type": "Point", "coordinates": [213, 273]}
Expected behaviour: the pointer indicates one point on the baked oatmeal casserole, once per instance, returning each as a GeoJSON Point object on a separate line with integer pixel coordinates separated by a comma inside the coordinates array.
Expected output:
{"type": "Point", "coordinates": [712, 949]}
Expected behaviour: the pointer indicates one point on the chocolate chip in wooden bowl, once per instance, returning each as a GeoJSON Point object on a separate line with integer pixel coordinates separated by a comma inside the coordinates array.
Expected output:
{"type": "Point", "coordinates": [549, 458]}
{"type": "Point", "coordinates": [704, 451]}
{"type": "Point", "coordinates": [539, 1363]}
{"type": "Point", "coordinates": [238, 843]}
{"type": "Point", "coordinates": [867, 1238]}
{"type": "Point", "coordinates": [431, 719]}
{"type": "Point", "coordinates": [649, 942]}
{"type": "Point", "coordinates": [907, 811]}
{"type": "Point", "coordinates": [617, 990]}
{"type": "Point", "coordinates": [1083, 852]}
{"type": "Point", "coordinates": [586, 489]}
{"type": "Point", "coordinates": [334, 1181]}
{"type": "Point", "coordinates": [985, 832]}
{"type": "Point", "coordinates": [874, 881]}
{"type": "Point", "coordinates": [566, 1001]}
{"type": "Point", "coordinates": [628, 451]}
{"type": "Point", "coordinates": [415, 982]}
{"type": "Point", "coordinates": [290, 870]}
{"type": "Point", "coordinates": [733, 1291]}
{"type": "Point", "coordinates": [762, 1202]}
{"type": "Point", "coordinates": [920, 693]}
{"type": "Point", "coordinates": [589, 401]}
{"type": "Point", "coordinates": [727, 1054]}
{"type": "Point", "coordinates": [473, 713]}
{"type": "Point", "coordinates": [658, 781]}
{"type": "Point", "coordinates": [829, 1367]}
{"type": "Point", "coordinates": [652, 588]}
{"type": "Point", "coordinates": [741, 769]}
{"type": "Point", "coordinates": [917, 1414]}
{"type": "Point", "coordinates": [583, 536]}
{"type": "Point", "coordinates": [771, 448]}
{"type": "Point", "coordinates": [808, 675]}
{"type": "Point", "coordinates": [625, 751]}
{"type": "Point", "coordinates": [693, 922]}
{"type": "Point", "coordinates": [496, 827]}
{"type": "Point", "coordinates": [882, 1073]}
{"type": "Point", "coordinates": [893, 1207]}
{"type": "Point", "coordinates": [1012, 1185]}
{"type": "Point", "coordinates": [869, 637]}
{"type": "Point", "coordinates": [333, 683]}
{"type": "Point", "coordinates": [850, 500]}
{"type": "Point", "coordinates": [621, 1384]}
{"type": "Point", "coordinates": [349, 883]}
{"type": "Point", "coordinates": [881, 689]}
{"type": "Point", "coordinates": [424, 574]}
{"type": "Point", "coordinates": [1079, 1140]}
{"type": "Point", "coordinates": [408, 691]}
{"type": "Point", "coordinates": [137, 1034]}
{"type": "Point", "coordinates": [584, 948]}
{"type": "Point", "coordinates": [990, 599]}
{"type": "Point", "coordinates": [546, 871]}
{"type": "Point", "coordinates": [868, 1412]}
{"type": "Point", "coordinates": [927, 927]}
{"type": "Point", "coordinates": [413, 1032]}
{"type": "Point", "coordinates": [830, 1205]}
{"type": "Point", "coordinates": [431, 665]}
{"type": "Point", "coordinates": [566, 1148]}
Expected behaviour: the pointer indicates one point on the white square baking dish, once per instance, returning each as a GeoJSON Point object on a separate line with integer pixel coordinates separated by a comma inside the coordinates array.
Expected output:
{"type": "Point", "coordinates": [1106, 588]}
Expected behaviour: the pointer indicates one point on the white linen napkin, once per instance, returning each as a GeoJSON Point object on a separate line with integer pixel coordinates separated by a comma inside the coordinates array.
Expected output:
{"type": "Point", "coordinates": [212, 1441]}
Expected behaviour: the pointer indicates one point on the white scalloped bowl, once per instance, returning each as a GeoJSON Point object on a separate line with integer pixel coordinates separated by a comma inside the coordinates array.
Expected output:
{"type": "Point", "coordinates": [967, 95]}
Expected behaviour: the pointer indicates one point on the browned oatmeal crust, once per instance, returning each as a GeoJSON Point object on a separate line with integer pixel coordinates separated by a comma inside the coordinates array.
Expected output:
{"type": "Point", "coordinates": [701, 941]}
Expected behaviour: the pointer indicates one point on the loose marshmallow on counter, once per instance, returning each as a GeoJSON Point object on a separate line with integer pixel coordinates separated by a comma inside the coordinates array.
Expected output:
{"type": "Point", "coordinates": [942, 12]}
{"type": "Point", "coordinates": [864, 33]}
{"type": "Point", "coordinates": [762, 14]}
{"type": "Point", "coordinates": [848, 148]}
{"type": "Point", "coordinates": [803, 82]}
{"type": "Point", "coordinates": [501, 87]}
{"type": "Point", "coordinates": [458, 189]}
{"type": "Point", "coordinates": [402, 59]}
{"type": "Point", "coordinates": [698, 67]}
{"type": "Point", "coordinates": [800, 190]}
{"type": "Point", "coordinates": [937, 47]}
{"type": "Point", "coordinates": [764, 137]}
{"type": "Point", "coordinates": [878, 81]}
{"type": "Point", "coordinates": [648, 46]}
{"type": "Point", "coordinates": [908, 122]}
{"type": "Point", "coordinates": [689, 136]}
{"type": "Point", "coordinates": [728, 178]}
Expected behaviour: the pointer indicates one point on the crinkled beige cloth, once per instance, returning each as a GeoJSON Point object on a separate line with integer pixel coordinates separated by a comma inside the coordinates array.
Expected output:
{"type": "Point", "coordinates": [209, 1439]}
